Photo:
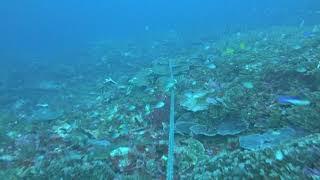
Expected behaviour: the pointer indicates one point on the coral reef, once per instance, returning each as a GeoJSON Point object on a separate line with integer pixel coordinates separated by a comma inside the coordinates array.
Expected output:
{"type": "Point", "coordinates": [247, 107]}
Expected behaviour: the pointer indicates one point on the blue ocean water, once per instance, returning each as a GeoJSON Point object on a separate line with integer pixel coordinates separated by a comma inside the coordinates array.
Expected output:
{"type": "Point", "coordinates": [86, 87]}
{"type": "Point", "coordinates": [41, 27]}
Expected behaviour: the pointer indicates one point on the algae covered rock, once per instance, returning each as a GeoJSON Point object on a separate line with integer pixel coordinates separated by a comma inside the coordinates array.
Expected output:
{"type": "Point", "coordinates": [45, 114]}
{"type": "Point", "coordinates": [190, 154]}
{"type": "Point", "coordinates": [268, 139]}
{"type": "Point", "coordinates": [203, 130]}
{"type": "Point", "coordinates": [183, 127]}
{"type": "Point", "coordinates": [231, 127]}
{"type": "Point", "coordinates": [121, 158]}
{"type": "Point", "coordinates": [141, 79]}
{"type": "Point", "coordinates": [306, 117]}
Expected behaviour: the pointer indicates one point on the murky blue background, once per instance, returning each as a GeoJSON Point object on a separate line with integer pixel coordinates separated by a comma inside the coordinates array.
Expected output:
{"type": "Point", "coordinates": [52, 30]}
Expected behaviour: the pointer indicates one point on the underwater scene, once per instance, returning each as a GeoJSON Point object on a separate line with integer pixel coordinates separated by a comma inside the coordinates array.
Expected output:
{"type": "Point", "coordinates": [141, 90]}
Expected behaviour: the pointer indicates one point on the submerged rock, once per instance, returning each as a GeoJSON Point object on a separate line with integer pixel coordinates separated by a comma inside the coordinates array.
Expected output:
{"type": "Point", "coordinates": [267, 139]}
{"type": "Point", "coordinates": [183, 127]}
{"type": "Point", "coordinates": [121, 158]}
{"type": "Point", "coordinates": [49, 85]}
{"type": "Point", "coordinates": [45, 114]}
{"type": "Point", "coordinates": [183, 124]}
{"type": "Point", "coordinates": [99, 143]}
{"type": "Point", "coordinates": [141, 78]}
{"type": "Point", "coordinates": [189, 155]}
{"type": "Point", "coordinates": [203, 130]}
{"type": "Point", "coordinates": [63, 130]}
{"type": "Point", "coordinates": [231, 127]}
{"type": "Point", "coordinates": [161, 69]}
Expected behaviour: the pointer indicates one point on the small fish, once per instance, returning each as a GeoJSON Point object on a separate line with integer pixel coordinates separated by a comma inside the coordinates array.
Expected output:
{"type": "Point", "coordinates": [207, 47]}
{"type": "Point", "coordinates": [159, 105]}
{"type": "Point", "coordinates": [308, 34]}
{"type": "Point", "coordinates": [211, 100]}
{"type": "Point", "coordinates": [248, 85]}
{"type": "Point", "coordinates": [294, 100]}
{"type": "Point", "coordinates": [211, 66]}
{"type": "Point", "coordinates": [43, 105]}
{"type": "Point", "coordinates": [131, 107]}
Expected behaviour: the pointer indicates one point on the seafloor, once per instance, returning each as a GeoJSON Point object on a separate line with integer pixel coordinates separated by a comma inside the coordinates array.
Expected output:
{"type": "Point", "coordinates": [247, 107]}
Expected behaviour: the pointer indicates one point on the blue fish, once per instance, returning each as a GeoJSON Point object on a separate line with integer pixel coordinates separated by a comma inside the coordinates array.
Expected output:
{"type": "Point", "coordinates": [294, 100]}
{"type": "Point", "coordinates": [311, 171]}
{"type": "Point", "coordinates": [308, 34]}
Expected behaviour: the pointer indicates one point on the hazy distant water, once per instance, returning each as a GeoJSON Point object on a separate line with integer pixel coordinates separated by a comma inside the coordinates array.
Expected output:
{"type": "Point", "coordinates": [59, 30]}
